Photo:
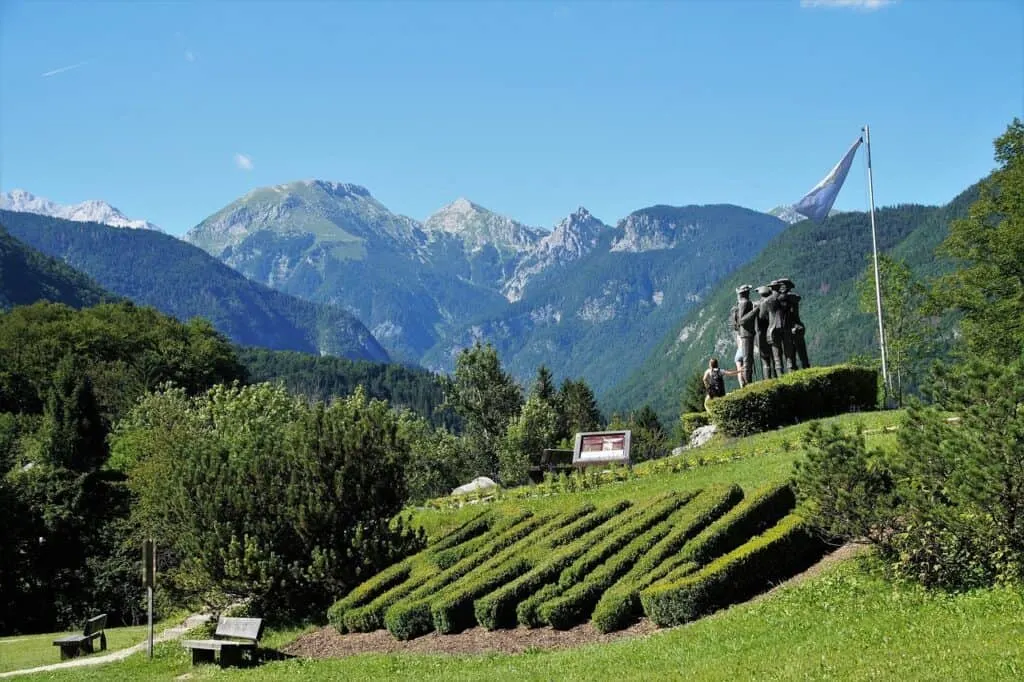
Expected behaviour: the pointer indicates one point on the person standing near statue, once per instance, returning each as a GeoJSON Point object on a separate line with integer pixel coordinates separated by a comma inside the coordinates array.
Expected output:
{"type": "Point", "coordinates": [795, 324]}
{"type": "Point", "coordinates": [746, 328]}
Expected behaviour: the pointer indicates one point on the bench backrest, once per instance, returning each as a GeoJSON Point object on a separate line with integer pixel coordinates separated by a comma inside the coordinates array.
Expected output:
{"type": "Point", "coordinates": [239, 628]}
{"type": "Point", "coordinates": [94, 625]}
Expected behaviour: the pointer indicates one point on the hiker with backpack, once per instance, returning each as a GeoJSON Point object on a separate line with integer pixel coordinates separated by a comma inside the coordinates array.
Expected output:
{"type": "Point", "coordinates": [714, 381]}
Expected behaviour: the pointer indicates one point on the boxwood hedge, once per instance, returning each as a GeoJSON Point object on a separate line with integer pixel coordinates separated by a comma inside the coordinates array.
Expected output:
{"type": "Point", "coordinates": [761, 510]}
{"type": "Point", "coordinates": [777, 554]}
{"type": "Point", "coordinates": [498, 609]}
{"type": "Point", "coordinates": [620, 605]}
{"type": "Point", "coordinates": [795, 397]}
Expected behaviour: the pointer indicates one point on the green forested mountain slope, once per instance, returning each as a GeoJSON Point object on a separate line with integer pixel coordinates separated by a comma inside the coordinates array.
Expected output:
{"type": "Point", "coordinates": [27, 276]}
{"type": "Point", "coordinates": [601, 315]}
{"type": "Point", "coordinates": [181, 280]}
{"type": "Point", "coordinates": [825, 262]}
{"type": "Point", "coordinates": [326, 378]}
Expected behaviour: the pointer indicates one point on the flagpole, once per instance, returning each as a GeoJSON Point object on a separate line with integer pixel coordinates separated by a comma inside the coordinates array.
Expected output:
{"type": "Point", "coordinates": [878, 286]}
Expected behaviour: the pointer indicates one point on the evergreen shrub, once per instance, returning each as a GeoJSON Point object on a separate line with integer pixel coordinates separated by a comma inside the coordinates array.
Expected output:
{"type": "Point", "coordinates": [691, 421]}
{"type": "Point", "coordinates": [777, 554]}
{"type": "Point", "coordinates": [795, 397]}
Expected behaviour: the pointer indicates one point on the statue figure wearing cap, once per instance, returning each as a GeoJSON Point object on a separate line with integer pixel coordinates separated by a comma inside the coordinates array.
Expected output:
{"type": "Point", "coordinates": [762, 316]}
{"type": "Point", "coordinates": [788, 308]}
{"type": "Point", "coordinates": [796, 325]}
{"type": "Point", "coordinates": [746, 328]}
{"type": "Point", "coordinates": [778, 337]}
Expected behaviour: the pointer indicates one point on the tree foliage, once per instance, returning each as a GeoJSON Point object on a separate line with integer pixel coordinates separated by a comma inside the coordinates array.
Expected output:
{"type": "Point", "coordinates": [263, 496]}
{"type": "Point", "coordinates": [486, 398]}
{"type": "Point", "coordinates": [988, 248]}
{"type": "Point", "coordinates": [903, 319]}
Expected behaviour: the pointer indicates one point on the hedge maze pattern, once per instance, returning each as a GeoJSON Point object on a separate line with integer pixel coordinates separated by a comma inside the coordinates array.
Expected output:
{"type": "Point", "coordinates": [674, 558]}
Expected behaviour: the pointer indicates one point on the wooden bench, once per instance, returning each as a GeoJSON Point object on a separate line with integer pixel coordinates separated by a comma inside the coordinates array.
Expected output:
{"type": "Point", "coordinates": [233, 638]}
{"type": "Point", "coordinates": [73, 645]}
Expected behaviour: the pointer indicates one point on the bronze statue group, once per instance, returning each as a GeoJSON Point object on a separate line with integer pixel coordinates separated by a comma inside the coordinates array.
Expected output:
{"type": "Point", "coordinates": [772, 326]}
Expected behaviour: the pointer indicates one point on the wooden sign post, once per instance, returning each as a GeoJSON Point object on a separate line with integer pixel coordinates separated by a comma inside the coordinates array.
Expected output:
{"type": "Point", "coordinates": [149, 580]}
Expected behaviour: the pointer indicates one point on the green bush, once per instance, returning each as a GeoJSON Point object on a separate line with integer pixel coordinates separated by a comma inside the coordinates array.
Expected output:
{"type": "Point", "coordinates": [577, 602]}
{"type": "Point", "coordinates": [367, 591]}
{"type": "Point", "coordinates": [453, 609]}
{"type": "Point", "coordinates": [425, 579]}
{"type": "Point", "coordinates": [498, 609]}
{"type": "Point", "coordinates": [638, 522]}
{"type": "Point", "coordinates": [527, 611]}
{"type": "Point", "coordinates": [778, 554]}
{"type": "Point", "coordinates": [795, 397]}
{"type": "Point", "coordinates": [620, 605]}
{"type": "Point", "coordinates": [765, 507]}
{"type": "Point", "coordinates": [472, 528]}
{"type": "Point", "coordinates": [691, 421]}
{"type": "Point", "coordinates": [408, 619]}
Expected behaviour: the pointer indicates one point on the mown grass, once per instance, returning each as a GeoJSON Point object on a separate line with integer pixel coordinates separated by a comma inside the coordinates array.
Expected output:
{"type": "Point", "coordinates": [30, 651]}
{"type": "Point", "coordinates": [749, 462]}
{"type": "Point", "coordinates": [847, 623]}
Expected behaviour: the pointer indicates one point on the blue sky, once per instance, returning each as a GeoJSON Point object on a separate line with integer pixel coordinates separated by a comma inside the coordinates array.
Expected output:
{"type": "Point", "coordinates": [172, 110]}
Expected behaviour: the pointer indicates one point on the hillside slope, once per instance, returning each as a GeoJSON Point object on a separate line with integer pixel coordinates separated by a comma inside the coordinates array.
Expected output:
{"type": "Point", "coordinates": [27, 276]}
{"type": "Point", "coordinates": [180, 280]}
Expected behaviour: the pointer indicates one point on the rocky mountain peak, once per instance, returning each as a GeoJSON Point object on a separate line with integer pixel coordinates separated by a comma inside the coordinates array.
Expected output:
{"type": "Point", "coordinates": [90, 211]}
{"type": "Point", "coordinates": [478, 227]}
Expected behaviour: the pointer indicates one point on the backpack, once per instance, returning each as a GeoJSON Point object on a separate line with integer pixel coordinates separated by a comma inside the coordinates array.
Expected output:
{"type": "Point", "coordinates": [716, 384]}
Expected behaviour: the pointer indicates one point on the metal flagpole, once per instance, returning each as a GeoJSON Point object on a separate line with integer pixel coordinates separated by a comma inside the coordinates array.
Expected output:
{"type": "Point", "coordinates": [878, 286]}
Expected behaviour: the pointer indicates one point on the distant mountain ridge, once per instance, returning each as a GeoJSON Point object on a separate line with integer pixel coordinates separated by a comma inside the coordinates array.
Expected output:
{"type": "Point", "coordinates": [180, 280]}
{"type": "Point", "coordinates": [91, 211]}
{"type": "Point", "coordinates": [586, 298]}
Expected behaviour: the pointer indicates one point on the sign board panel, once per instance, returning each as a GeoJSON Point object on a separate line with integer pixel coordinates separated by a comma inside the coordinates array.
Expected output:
{"type": "Point", "coordinates": [600, 447]}
{"type": "Point", "coordinates": [148, 563]}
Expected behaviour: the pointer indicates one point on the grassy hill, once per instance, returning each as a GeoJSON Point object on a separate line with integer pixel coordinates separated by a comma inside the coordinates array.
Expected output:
{"type": "Point", "coordinates": [845, 622]}
{"type": "Point", "coordinates": [825, 262]}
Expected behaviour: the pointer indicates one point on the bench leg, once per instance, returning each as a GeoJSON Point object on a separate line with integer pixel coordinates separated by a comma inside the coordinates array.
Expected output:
{"type": "Point", "coordinates": [230, 657]}
{"type": "Point", "coordinates": [87, 647]}
{"type": "Point", "coordinates": [202, 656]}
{"type": "Point", "coordinates": [68, 651]}
{"type": "Point", "coordinates": [103, 641]}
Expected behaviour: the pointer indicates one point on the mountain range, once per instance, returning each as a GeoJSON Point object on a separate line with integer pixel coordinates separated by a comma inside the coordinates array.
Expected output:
{"type": "Point", "coordinates": [91, 211]}
{"type": "Point", "coordinates": [633, 307]}
{"type": "Point", "coordinates": [151, 268]}
{"type": "Point", "coordinates": [586, 298]}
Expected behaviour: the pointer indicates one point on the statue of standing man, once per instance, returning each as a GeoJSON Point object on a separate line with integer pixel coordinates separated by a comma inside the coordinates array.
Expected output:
{"type": "Point", "coordinates": [794, 323]}
{"type": "Point", "coordinates": [746, 328]}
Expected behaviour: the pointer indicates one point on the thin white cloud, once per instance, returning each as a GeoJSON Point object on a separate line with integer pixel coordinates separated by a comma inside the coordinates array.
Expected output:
{"type": "Point", "coordinates": [63, 69]}
{"type": "Point", "coordinates": [243, 162]}
{"type": "Point", "coordinates": [190, 56]}
{"type": "Point", "coordinates": [866, 5]}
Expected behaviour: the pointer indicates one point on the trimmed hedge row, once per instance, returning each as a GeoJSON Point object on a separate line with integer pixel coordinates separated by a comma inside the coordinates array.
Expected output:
{"type": "Point", "coordinates": [399, 572]}
{"type": "Point", "coordinates": [527, 611]}
{"type": "Point", "coordinates": [777, 554]}
{"type": "Point", "coordinates": [371, 589]}
{"type": "Point", "coordinates": [620, 605]}
{"type": "Point", "coordinates": [644, 518]}
{"type": "Point", "coordinates": [453, 610]}
{"type": "Point", "coordinates": [576, 603]}
{"type": "Point", "coordinates": [584, 524]}
{"type": "Point", "coordinates": [414, 616]}
{"type": "Point", "coordinates": [765, 507]}
{"type": "Point", "coordinates": [371, 616]}
{"type": "Point", "coordinates": [795, 397]}
{"type": "Point", "coordinates": [498, 609]}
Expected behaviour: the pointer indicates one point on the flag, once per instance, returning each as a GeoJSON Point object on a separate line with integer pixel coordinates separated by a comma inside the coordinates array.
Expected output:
{"type": "Point", "coordinates": [818, 202]}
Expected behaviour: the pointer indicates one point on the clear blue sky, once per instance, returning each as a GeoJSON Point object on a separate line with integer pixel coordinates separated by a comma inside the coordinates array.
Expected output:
{"type": "Point", "coordinates": [529, 108]}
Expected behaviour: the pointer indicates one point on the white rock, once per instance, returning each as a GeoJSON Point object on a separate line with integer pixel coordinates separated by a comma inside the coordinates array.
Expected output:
{"type": "Point", "coordinates": [702, 435]}
{"type": "Point", "coordinates": [478, 483]}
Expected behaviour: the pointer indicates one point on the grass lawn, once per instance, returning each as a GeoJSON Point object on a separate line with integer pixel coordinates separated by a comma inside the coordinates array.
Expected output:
{"type": "Point", "coordinates": [29, 651]}
{"type": "Point", "coordinates": [749, 462]}
{"type": "Point", "coordinates": [846, 623]}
